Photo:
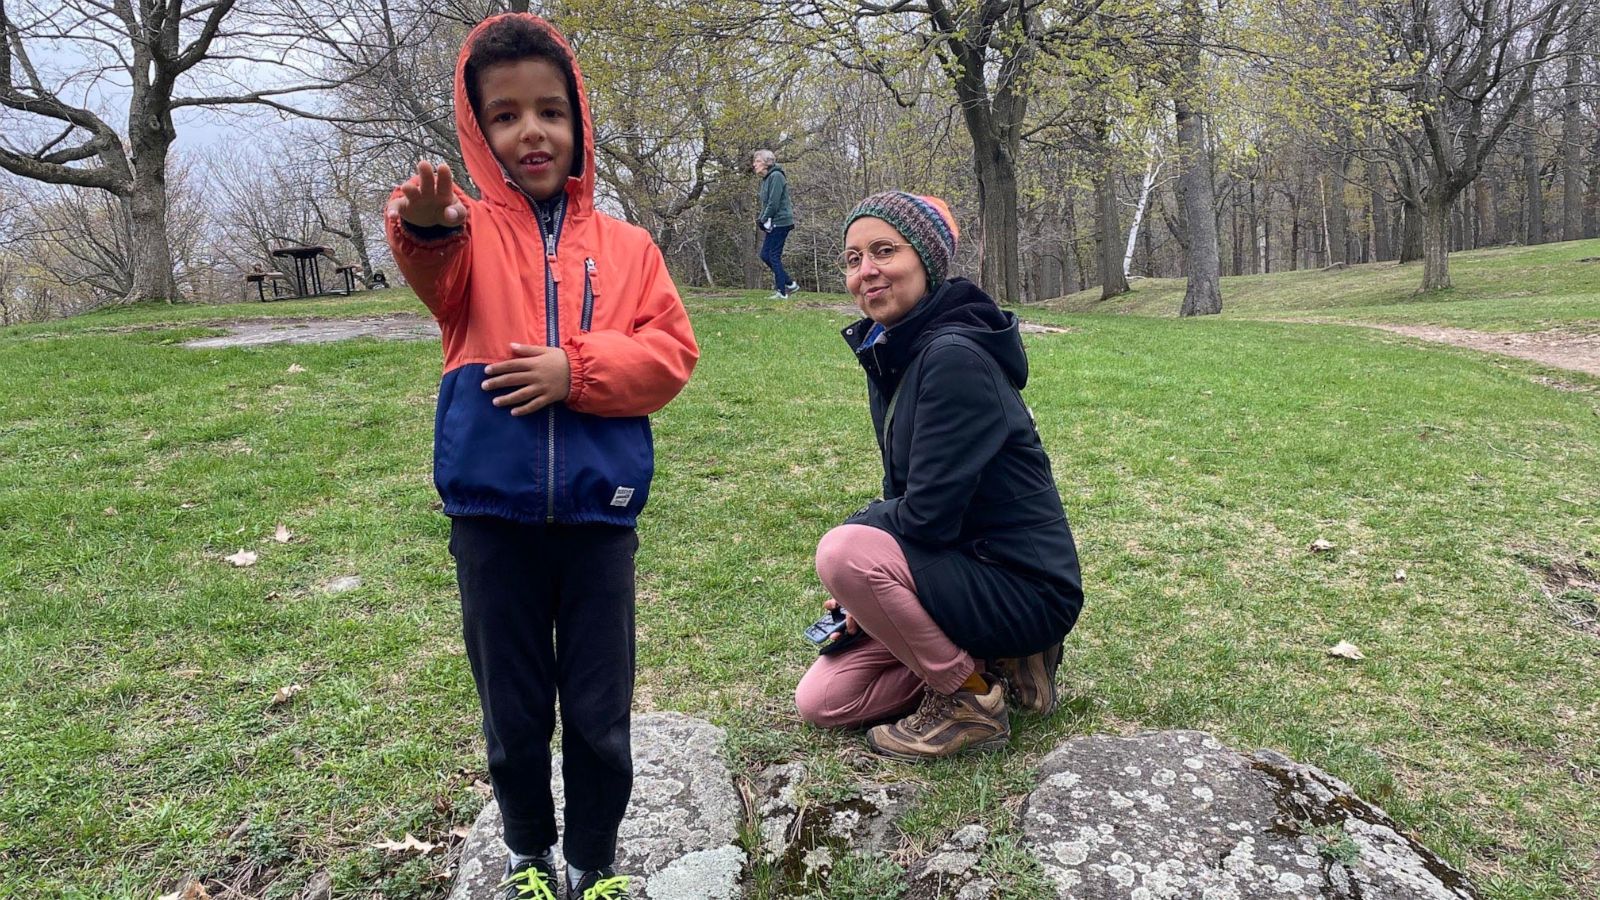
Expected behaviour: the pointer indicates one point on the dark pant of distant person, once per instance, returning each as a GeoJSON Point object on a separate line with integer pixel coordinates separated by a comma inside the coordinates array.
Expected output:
{"type": "Point", "coordinates": [547, 611]}
{"type": "Point", "coordinates": [772, 255]}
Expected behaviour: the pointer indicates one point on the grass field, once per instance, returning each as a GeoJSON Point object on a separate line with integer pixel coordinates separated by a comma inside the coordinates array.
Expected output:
{"type": "Point", "coordinates": [1197, 459]}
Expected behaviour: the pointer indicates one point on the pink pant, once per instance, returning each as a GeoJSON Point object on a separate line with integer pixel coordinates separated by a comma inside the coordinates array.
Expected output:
{"type": "Point", "coordinates": [884, 674]}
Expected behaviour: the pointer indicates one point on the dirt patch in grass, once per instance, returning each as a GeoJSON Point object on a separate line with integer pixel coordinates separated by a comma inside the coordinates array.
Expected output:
{"type": "Point", "coordinates": [1557, 349]}
{"type": "Point", "coordinates": [1572, 588]}
{"type": "Point", "coordinates": [250, 333]}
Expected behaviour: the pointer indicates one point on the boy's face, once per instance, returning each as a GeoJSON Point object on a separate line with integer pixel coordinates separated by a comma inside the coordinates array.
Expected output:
{"type": "Point", "coordinates": [530, 123]}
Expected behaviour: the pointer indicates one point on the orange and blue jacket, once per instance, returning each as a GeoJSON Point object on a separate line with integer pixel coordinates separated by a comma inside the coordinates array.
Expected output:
{"type": "Point", "coordinates": [592, 285]}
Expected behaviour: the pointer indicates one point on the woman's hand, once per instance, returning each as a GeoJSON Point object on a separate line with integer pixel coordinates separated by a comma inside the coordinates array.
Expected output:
{"type": "Point", "coordinates": [850, 625]}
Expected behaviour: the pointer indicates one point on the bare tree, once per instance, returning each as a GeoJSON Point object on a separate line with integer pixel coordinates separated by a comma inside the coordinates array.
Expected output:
{"type": "Point", "coordinates": [146, 48]}
{"type": "Point", "coordinates": [1477, 63]}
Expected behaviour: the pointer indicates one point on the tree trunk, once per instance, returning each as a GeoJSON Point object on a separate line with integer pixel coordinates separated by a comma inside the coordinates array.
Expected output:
{"type": "Point", "coordinates": [1533, 190]}
{"type": "Point", "coordinates": [997, 206]}
{"type": "Point", "coordinates": [1112, 281]}
{"type": "Point", "coordinates": [1379, 214]}
{"type": "Point", "coordinates": [358, 236]}
{"type": "Point", "coordinates": [1203, 296]}
{"type": "Point", "coordinates": [1411, 227]}
{"type": "Point", "coordinates": [1483, 206]}
{"type": "Point", "coordinates": [1572, 132]}
{"type": "Point", "coordinates": [1338, 215]}
{"type": "Point", "coordinates": [1435, 244]}
{"type": "Point", "coordinates": [147, 206]}
{"type": "Point", "coordinates": [1071, 265]}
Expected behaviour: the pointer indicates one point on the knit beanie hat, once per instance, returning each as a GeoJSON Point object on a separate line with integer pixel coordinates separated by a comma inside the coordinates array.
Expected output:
{"type": "Point", "coordinates": [925, 222]}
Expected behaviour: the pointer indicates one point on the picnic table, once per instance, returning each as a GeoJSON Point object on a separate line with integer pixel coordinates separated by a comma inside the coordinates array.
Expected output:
{"type": "Point", "coordinates": [307, 268]}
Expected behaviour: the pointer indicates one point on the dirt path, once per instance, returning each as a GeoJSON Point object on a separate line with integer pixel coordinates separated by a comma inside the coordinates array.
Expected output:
{"type": "Point", "coordinates": [253, 332]}
{"type": "Point", "coordinates": [1560, 350]}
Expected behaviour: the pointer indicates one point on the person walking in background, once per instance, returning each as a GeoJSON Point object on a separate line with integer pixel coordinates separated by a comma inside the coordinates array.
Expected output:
{"type": "Point", "coordinates": [776, 219]}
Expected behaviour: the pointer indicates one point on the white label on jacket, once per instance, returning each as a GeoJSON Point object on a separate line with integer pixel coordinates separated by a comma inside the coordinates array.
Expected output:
{"type": "Point", "coordinates": [622, 496]}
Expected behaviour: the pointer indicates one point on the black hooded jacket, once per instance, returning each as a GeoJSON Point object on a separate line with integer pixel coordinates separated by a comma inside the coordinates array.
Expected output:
{"type": "Point", "coordinates": [968, 490]}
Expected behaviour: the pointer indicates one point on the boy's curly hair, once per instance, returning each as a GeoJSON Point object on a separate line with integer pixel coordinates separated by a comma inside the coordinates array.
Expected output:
{"type": "Point", "coordinates": [513, 39]}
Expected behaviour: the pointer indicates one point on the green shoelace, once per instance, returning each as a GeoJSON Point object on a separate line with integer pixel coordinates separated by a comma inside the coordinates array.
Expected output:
{"type": "Point", "coordinates": [613, 888]}
{"type": "Point", "coordinates": [531, 883]}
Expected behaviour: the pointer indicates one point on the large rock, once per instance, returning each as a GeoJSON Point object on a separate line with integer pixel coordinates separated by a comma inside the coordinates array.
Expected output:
{"type": "Point", "coordinates": [1177, 815]}
{"type": "Point", "coordinates": [802, 838]}
{"type": "Point", "coordinates": [678, 840]}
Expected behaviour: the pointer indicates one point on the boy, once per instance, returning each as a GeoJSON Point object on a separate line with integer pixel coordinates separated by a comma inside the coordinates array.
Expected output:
{"type": "Point", "coordinates": [562, 332]}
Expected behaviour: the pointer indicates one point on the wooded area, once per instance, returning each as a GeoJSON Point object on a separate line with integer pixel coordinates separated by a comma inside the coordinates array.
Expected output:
{"type": "Point", "coordinates": [1081, 142]}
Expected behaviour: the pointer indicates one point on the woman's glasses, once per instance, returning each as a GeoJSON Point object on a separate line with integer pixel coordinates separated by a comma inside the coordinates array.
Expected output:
{"type": "Point", "coordinates": [881, 252]}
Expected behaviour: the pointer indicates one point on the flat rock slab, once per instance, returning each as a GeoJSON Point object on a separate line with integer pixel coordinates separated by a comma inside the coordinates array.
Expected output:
{"type": "Point", "coordinates": [319, 331]}
{"type": "Point", "coordinates": [1175, 814]}
{"type": "Point", "coordinates": [679, 839]}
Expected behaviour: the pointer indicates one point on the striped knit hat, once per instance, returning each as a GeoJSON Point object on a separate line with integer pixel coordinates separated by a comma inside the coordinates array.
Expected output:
{"type": "Point", "coordinates": [925, 222]}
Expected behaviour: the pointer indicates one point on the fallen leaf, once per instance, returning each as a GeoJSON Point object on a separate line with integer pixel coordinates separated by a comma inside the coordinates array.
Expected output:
{"type": "Point", "coordinates": [187, 504]}
{"type": "Point", "coordinates": [188, 890]}
{"type": "Point", "coordinates": [242, 558]}
{"type": "Point", "coordinates": [1400, 575]}
{"type": "Point", "coordinates": [1346, 650]}
{"type": "Point", "coordinates": [286, 693]}
{"type": "Point", "coordinates": [110, 510]}
{"type": "Point", "coordinates": [185, 673]}
{"type": "Point", "coordinates": [408, 845]}
{"type": "Point", "coordinates": [461, 831]}
{"type": "Point", "coordinates": [296, 369]}
{"type": "Point", "coordinates": [283, 535]}
{"type": "Point", "coordinates": [1321, 545]}
{"type": "Point", "coordinates": [483, 789]}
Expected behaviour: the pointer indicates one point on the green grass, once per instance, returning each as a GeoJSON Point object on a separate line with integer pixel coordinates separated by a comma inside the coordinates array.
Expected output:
{"type": "Point", "coordinates": [1198, 461]}
{"type": "Point", "coordinates": [1503, 289]}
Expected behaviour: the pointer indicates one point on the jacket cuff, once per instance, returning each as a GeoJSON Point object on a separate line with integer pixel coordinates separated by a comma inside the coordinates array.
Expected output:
{"type": "Point", "coordinates": [579, 384]}
{"type": "Point", "coordinates": [409, 238]}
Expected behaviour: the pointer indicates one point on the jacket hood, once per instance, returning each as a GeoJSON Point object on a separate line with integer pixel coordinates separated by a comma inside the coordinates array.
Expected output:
{"type": "Point", "coordinates": [487, 173]}
{"type": "Point", "coordinates": [956, 306]}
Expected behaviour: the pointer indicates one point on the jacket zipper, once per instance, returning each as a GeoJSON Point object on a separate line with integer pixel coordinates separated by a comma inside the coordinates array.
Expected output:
{"type": "Point", "coordinates": [588, 295]}
{"type": "Point", "coordinates": [552, 338]}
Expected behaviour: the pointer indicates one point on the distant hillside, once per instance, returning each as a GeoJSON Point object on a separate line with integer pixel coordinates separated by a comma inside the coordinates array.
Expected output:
{"type": "Point", "coordinates": [1501, 289]}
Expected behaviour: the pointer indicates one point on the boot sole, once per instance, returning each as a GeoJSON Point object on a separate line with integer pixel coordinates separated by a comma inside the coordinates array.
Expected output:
{"type": "Point", "coordinates": [988, 745]}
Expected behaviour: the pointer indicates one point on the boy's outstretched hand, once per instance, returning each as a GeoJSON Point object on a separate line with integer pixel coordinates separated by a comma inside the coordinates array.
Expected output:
{"type": "Point", "coordinates": [541, 374]}
{"type": "Point", "coordinates": [429, 200]}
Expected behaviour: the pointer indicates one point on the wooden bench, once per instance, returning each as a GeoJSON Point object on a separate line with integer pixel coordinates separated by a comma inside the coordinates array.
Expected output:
{"type": "Point", "coordinates": [260, 279]}
{"type": "Point", "coordinates": [349, 273]}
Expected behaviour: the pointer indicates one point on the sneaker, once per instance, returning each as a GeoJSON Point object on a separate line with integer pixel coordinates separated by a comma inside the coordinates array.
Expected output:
{"type": "Point", "coordinates": [1031, 680]}
{"type": "Point", "coordinates": [944, 725]}
{"type": "Point", "coordinates": [777, 295]}
{"type": "Point", "coordinates": [792, 289]}
{"type": "Point", "coordinates": [532, 880]}
{"type": "Point", "coordinates": [600, 884]}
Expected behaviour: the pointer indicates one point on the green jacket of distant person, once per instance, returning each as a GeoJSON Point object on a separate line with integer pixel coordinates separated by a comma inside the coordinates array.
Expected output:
{"type": "Point", "coordinates": [776, 210]}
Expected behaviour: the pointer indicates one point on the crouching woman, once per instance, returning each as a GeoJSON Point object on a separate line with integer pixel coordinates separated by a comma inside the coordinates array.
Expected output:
{"type": "Point", "coordinates": [964, 578]}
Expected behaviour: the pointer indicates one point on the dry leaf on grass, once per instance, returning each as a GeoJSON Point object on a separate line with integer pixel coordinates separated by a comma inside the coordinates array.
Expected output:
{"type": "Point", "coordinates": [1346, 650]}
{"type": "Point", "coordinates": [242, 558]}
{"type": "Point", "coordinates": [1321, 545]}
{"type": "Point", "coordinates": [461, 831]}
{"type": "Point", "coordinates": [1400, 576]}
{"type": "Point", "coordinates": [408, 845]}
{"type": "Point", "coordinates": [483, 789]}
{"type": "Point", "coordinates": [296, 369]}
{"type": "Point", "coordinates": [286, 693]}
{"type": "Point", "coordinates": [189, 890]}
{"type": "Point", "coordinates": [110, 510]}
{"type": "Point", "coordinates": [283, 535]}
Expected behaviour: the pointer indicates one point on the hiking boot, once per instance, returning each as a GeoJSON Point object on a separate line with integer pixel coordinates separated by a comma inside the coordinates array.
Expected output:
{"type": "Point", "coordinates": [946, 724]}
{"type": "Point", "coordinates": [1031, 680]}
{"type": "Point", "coordinates": [600, 884]}
{"type": "Point", "coordinates": [532, 880]}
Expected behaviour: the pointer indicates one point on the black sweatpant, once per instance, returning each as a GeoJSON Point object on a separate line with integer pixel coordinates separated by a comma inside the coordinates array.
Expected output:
{"type": "Point", "coordinates": [547, 611]}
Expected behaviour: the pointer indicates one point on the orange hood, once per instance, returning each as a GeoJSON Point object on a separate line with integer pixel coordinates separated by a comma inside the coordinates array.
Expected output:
{"type": "Point", "coordinates": [485, 169]}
